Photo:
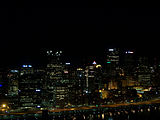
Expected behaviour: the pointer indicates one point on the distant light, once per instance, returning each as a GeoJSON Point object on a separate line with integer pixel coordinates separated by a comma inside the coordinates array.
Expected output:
{"type": "Point", "coordinates": [66, 71]}
{"type": "Point", "coordinates": [38, 90]}
{"type": "Point", "coordinates": [29, 65]}
{"type": "Point", "coordinates": [140, 91]}
{"type": "Point", "coordinates": [110, 50]}
{"type": "Point", "coordinates": [98, 66]}
{"type": "Point", "coordinates": [131, 101]}
{"type": "Point", "coordinates": [38, 106]}
{"type": "Point", "coordinates": [108, 62]}
{"type": "Point", "coordinates": [94, 63]}
{"type": "Point", "coordinates": [14, 71]}
{"type": "Point", "coordinates": [129, 52]}
{"type": "Point", "coordinates": [24, 65]}
{"type": "Point", "coordinates": [79, 69]}
{"type": "Point", "coordinates": [4, 105]}
{"type": "Point", "coordinates": [103, 116]}
{"type": "Point", "coordinates": [1, 85]}
{"type": "Point", "coordinates": [68, 63]}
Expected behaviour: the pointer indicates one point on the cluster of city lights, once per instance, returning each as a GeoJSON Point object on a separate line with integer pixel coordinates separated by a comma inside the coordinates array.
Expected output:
{"type": "Point", "coordinates": [27, 66]}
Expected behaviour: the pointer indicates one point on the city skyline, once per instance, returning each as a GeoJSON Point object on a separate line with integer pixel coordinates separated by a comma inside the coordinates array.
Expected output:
{"type": "Point", "coordinates": [78, 55]}
{"type": "Point", "coordinates": [118, 77]}
{"type": "Point", "coordinates": [117, 70]}
{"type": "Point", "coordinates": [80, 60]}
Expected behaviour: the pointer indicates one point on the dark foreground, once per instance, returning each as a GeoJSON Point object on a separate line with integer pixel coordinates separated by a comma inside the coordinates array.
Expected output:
{"type": "Point", "coordinates": [141, 112]}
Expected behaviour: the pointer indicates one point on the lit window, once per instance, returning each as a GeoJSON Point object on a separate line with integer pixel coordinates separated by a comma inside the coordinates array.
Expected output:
{"type": "Point", "coordinates": [111, 50]}
{"type": "Point", "coordinates": [38, 90]}
{"type": "Point", "coordinates": [29, 65]}
{"type": "Point", "coordinates": [38, 106]}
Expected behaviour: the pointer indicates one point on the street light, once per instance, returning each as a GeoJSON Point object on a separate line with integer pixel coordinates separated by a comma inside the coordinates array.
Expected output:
{"type": "Point", "coordinates": [4, 105]}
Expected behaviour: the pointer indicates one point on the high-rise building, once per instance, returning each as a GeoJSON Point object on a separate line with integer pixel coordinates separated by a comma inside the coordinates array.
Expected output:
{"type": "Point", "coordinates": [112, 67]}
{"type": "Point", "coordinates": [144, 76]}
{"type": "Point", "coordinates": [93, 83]}
{"type": "Point", "coordinates": [112, 61]}
{"type": "Point", "coordinates": [13, 85]}
{"type": "Point", "coordinates": [75, 80]}
{"type": "Point", "coordinates": [81, 85]}
{"type": "Point", "coordinates": [129, 63]}
{"type": "Point", "coordinates": [30, 87]}
{"type": "Point", "coordinates": [57, 89]}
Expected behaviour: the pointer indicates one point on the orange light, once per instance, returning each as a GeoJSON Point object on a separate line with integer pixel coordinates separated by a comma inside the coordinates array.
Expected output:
{"type": "Point", "coordinates": [4, 105]}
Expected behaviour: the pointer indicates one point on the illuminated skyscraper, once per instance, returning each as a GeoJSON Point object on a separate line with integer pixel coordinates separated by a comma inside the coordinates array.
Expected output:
{"type": "Point", "coordinates": [144, 76]}
{"type": "Point", "coordinates": [129, 68]}
{"type": "Point", "coordinates": [129, 62]}
{"type": "Point", "coordinates": [81, 85]}
{"type": "Point", "coordinates": [13, 84]}
{"type": "Point", "coordinates": [55, 85]}
{"type": "Point", "coordinates": [31, 87]}
{"type": "Point", "coordinates": [112, 61]}
{"type": "Point", "coordinates": [111, 67]}
{"type": "Point", "coordinates": [93, 82]}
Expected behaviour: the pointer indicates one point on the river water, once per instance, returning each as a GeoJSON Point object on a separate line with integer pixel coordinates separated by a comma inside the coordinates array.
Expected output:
{"type": "Point", "coordinates": [146, 113]}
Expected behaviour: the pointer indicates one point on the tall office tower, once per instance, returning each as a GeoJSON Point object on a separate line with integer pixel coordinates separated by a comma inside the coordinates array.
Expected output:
{"type": "Point", "coordinates": [68, 80]}
{"type": "Point", "coordinates": [30, 87]}
{"type": "Point", "coordinates": [40, 87]}
{"type": "Point", "coordinates": [111, 67]}
{"type": "Point", "coordinates": [143, 71]}
{"type": "Point", "coordinates": [56, 88]}
{"type": "Point", "coordinates": [112, 61]}
{"type": "Point", "coordinates": [80, 84]}
{"type": "Point", "coordinates": [89, 83]}
{"type": "Point", "coordinates": [144, 76]}
{"type": "Point", "coordinates": [98, 83]}
{"type": "Point", "coordinates": [129, 68]}
{"type": "Point", "coordinates": [74, 78]}
{"type": "Point", "coordinates": [143, 60]}
{"type": "Point", "coordinates": [13, 79]}
{"type": "Point", "coordinates": [93, 82]}
{"type": "Point", "coordinates": [129, 63]}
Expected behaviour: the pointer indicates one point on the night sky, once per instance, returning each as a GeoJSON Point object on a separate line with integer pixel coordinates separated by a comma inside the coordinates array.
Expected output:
{"type": "Point", "coordinates": [80, 28]}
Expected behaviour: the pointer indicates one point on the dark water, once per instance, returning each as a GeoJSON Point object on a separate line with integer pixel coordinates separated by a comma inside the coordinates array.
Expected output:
{"type": "Point", "coordinates": [118, 114]}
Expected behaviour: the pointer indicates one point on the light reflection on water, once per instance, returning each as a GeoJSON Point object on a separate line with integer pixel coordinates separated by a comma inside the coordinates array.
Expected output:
{"type": "Point", "coordinates": [132, 114]}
